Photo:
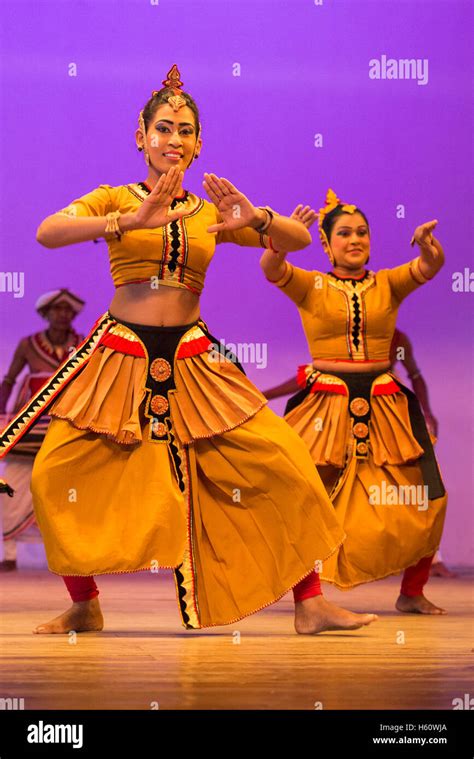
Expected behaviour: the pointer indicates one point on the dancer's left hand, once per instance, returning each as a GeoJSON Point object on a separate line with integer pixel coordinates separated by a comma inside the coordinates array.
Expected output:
{"type": "Point", "coordinates": [431, 253]}
{"type": "Point", "coordinates": [423, 235]}
{"type": "Point", "coordinates": [235, 208]}
{"type": "Point", "coordinates": [305, 214]}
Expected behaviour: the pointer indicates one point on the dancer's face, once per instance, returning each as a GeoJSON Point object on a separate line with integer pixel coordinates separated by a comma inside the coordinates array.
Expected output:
{"type": "Point", "coordinates": [171, 138]}
{"type": "Point", "coordinates": [350, 241]}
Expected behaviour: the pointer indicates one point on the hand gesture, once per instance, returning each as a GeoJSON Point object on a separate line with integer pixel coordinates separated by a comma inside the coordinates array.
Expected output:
{"type": "Point", "coordinates": [306, 215]}
{"type": "Point", "coordinates": [155, 209]}
{"type": "Point", "coordinates": [236, 210]}
{"type": "Point", "coordinates": [426, 240]}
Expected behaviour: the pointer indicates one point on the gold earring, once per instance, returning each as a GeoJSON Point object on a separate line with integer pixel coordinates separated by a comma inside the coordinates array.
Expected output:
{"type": "Point", "coordinates": [141, 124]}
{"type": "Point", "coordinates": [147, 157]}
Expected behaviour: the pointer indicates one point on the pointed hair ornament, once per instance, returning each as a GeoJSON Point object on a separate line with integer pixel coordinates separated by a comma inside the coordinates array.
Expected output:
{"type": "Point", "coordinates": [173, 82]}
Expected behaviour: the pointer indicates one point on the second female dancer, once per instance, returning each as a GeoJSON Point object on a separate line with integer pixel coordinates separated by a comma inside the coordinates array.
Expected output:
{"type": "Point", "coordinates": [365, 430]}
{"type": "Point", "coordinates": [161, 453]}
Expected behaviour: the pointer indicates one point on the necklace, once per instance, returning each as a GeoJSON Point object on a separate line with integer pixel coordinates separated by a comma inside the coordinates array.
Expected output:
{"type": "Point", "coordinates": [353, 280]}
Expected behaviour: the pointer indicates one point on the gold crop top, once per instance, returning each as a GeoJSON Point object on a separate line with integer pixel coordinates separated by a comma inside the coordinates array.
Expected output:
{"type": "Point", "coordinates": [348, 319]}
{"type": "Point", "coordinates": [177, 254]}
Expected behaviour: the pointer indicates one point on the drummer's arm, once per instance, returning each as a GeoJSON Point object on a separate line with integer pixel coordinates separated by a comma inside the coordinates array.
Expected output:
{"type": "Point", "coordinates": [18, 363]}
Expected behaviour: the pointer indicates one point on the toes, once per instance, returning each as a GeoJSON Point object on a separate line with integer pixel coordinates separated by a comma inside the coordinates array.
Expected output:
{"type": "Point", "coordinates": [46, 629]}
{"type": "Point", "coordinates": [371, 618]}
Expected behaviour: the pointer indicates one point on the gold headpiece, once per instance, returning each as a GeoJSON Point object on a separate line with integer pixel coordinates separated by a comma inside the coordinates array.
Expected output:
{"type": "Point", "coordinates": [176, 101]}
{"type": "Point", "coordinates": [332, 201]}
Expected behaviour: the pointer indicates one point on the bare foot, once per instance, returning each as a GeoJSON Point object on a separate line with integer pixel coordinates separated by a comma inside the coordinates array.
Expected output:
{"type": "Point", "coordinates": [417, 605]}
{"type": "Point", "coordinates": [315, 615]}
{"type": "Point", "coordinates": [439, 569]}
{"type": "Point", "coordinates": [83, 616]}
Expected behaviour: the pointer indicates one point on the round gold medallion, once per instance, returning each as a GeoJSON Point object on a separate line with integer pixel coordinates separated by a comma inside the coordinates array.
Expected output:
{"type": "Point", "coordinates": [361, 448]}
{"type": "Point", "coordinates": [359, 407]}
{"type": "Point", "coordinates": [160, 369]}
{"type": "Point", "coordinates": [361, 429]}
{"type": "Point", "coordinates": [158, 428]}
{"type": "Point", "coordinates": [159, 404]}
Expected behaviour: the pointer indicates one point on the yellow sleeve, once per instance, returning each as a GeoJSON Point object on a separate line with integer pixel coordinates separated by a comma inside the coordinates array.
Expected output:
{"type": "Point", "coordinates": [99, 202]}
{"type": "Point", "coordinates": [296, 283]}
{"type": "Point", "coordinates": [404, 279]}
{"type": "Point", "coordinates": [243, 236]}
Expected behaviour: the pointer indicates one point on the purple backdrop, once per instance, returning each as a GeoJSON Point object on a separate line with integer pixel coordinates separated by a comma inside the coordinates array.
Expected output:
{"type": "Point", "coordinates": [303, 70]}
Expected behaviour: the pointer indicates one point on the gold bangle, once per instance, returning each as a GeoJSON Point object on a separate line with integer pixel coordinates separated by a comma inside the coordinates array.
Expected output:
{"type": "Point", "coordinates": [417, 273]}
{"type": "Point", "coordinates": [263, 227]}
{"type": "Point", "coordinates": [112, 225]}
{"type": "Point", "coordinates": [285, 278]}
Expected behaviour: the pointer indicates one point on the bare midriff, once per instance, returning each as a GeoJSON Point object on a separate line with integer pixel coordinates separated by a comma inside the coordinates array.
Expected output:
{"type": "Point", "coordinates": [325, 365]}
{"type": "Point", "coordinates": [162, 306]}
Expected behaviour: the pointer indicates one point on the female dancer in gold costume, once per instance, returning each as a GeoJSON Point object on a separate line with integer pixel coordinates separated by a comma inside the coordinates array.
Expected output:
{"type": "Point", "coordinates": [365, 431]}
{"type": "Point", "coordinates": [161, 453]}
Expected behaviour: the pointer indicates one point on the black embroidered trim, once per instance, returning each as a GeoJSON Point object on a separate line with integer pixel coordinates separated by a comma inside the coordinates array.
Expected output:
{"type": "Point", "coordinates": [353, 280]}
{"type": "Point", "coordinates": [174, 233]}
{"type": "Point", "coordinates": [174, 202]}
{"type": "Point", "coordinates": [174, 252]}
{"type": "Point", "coordinates": [356, 327]}
{"type": "Point", "coordinates": [176, 242]}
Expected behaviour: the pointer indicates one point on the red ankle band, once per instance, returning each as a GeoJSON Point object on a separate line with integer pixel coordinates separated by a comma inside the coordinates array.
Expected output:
{"type": "Point", "coordinates": [308, 587]}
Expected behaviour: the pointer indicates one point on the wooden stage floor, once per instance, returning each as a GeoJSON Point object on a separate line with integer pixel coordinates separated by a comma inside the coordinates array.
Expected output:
{"type": "Point", "coordinates": [145, 659]}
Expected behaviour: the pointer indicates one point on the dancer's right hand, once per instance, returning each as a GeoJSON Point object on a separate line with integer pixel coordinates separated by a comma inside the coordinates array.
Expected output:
{"type": "Point", "coordinates": [155, 209]}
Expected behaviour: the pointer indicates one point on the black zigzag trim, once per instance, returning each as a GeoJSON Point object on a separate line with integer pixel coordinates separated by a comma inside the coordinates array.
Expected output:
{"type": "Point", "coordinates": [173, 449]}
{"type": "Point", "coordinates": [175, 201]}
{"type": "Point", "coordinates": [40, 402]}
{"type": "Point", "coordinates": [181, 595]}
{"type": "Point", "coordinates": [175, 235]}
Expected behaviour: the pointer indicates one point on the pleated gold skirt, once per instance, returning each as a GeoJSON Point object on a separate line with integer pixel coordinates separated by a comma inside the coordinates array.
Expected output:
{"type": "Point", "coordinates": [161, 453]}
{"type": "Point", "coordinates": [367, 437]}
